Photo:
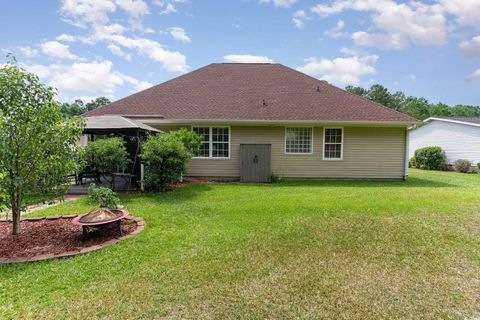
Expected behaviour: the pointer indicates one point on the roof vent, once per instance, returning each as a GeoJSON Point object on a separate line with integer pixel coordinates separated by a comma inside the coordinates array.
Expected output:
{"type": "Point", "coordinates": [318, 88]}
{"type": "Point", "coordinates": [264, 103]}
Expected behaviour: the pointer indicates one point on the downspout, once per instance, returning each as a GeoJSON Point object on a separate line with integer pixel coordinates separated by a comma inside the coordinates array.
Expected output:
{"type": "Point", "coordinates": [407, 148]}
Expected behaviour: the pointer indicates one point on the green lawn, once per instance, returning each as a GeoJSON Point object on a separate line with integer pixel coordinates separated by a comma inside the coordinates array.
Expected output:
{"type": "Point", "coordinates": [297, 249]}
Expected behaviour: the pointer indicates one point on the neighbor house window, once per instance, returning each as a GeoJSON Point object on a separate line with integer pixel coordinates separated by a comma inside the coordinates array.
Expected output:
{"type": "Point", "coordinates": [332, 143]}
{"type": "Point", "coordinates": [298, 140]}
{"type": "Point", "coordinates": [215, 142]}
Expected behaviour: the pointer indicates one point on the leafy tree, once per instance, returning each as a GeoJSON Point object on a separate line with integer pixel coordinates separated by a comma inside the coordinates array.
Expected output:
{"type": "Point", "coordinates": [416, 107]}
{"type": "Point", "coordinates": [73, 109]}
{"type": "Point", "coordinates": [38, 147]}
{"type": "Point", "coordinates": [441, 110]}
{"type": "Point", "coordinates": [165, 156]}
{"type": "Point", "coordinates": [108, 156]}
{"type": "Point", "coordinates": [357, 90]}
{"type": "Point", "coordinates": [380, 94]}
{"type": "Point", "coordinates": [78, 107]}
{"type": "Point", "coordinates": [97, 103]}
{"type": "Point", "coordinates": [397, 101]}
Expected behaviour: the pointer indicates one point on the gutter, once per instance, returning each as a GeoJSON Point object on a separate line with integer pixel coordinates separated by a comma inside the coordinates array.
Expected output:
{"type": "Point", "coordinates": [407, 150]}
{"type": "Point", "coordinates": [160, 121]}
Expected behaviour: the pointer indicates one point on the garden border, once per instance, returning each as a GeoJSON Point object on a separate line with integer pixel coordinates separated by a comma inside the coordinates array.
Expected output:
{"type": "Point", "coordinates": [46, 256]}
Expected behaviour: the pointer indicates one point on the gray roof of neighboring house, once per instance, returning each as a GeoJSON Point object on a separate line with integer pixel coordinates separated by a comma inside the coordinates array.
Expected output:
{"type": "Point", "coordinates": [463, 119]}
{"type": "Point", "coordinates": [475, 121]}
{"type": "Point", "coordinates": [115, 123]}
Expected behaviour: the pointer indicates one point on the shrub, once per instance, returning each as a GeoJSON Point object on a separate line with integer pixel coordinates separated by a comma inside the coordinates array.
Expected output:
{"type": "Point", "coordinates": [462, 165]}
{"type": "Point", "coordinates": [105, 197]}
{"type": "Point", "coordinates": [478, 166]}
{"type": "Point", "coordinates": [108, 156]}
{"type": "Point", "coordinates": [413, 162]}
{"type": "Point", "coordinates": [190, 139]}
{"type": "Point", "coordinates": [165, 156]}
{"type": "Point", "coordinates": [430, 158]}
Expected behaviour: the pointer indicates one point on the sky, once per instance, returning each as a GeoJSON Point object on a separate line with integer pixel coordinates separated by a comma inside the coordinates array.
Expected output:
{"type": "Point", "coordinates": [113, 48]}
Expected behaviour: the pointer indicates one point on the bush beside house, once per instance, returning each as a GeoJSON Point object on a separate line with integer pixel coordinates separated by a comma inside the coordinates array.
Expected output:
{"type": "Point", "coordinates": [429, 158]}
{"type": "Point", "coordinates": [165, 157]}
{"type": "Point", "coordinates": [433, 158]}
{"type": "Point", "coordinates": [462, 165]}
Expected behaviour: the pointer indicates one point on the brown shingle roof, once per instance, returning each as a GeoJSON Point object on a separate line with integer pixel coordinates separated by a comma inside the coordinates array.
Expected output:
{"type": "Point", "coordinates": [237, 91]}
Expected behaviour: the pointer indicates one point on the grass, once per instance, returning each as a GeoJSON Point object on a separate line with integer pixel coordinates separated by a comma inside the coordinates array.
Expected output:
{"type": "Point", "coordinates": [296, 249]}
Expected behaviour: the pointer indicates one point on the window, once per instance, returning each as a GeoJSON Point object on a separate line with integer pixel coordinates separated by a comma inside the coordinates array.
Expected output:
{"type": "Point", "coordinates": [332, 143]}
{"type": "Point", "coordinates": [215, 142]}
{"type": "Point", "coordinates": [298, 140]}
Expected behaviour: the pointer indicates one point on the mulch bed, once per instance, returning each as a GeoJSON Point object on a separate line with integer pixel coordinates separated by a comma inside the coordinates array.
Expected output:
{"type": "Point", "coordinates": [54, 236]}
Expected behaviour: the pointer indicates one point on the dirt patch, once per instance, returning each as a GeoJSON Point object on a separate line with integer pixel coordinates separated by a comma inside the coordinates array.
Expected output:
{"type": "Point", "coordinates": [55, 236]}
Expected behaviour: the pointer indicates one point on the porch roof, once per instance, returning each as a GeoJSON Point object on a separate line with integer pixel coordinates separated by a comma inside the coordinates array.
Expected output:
{"type": "Point", "coordinates": [115, 123]}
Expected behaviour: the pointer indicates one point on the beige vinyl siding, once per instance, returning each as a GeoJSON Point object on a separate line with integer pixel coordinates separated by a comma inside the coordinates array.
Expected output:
{"type": "Point", "coordinates": [368, 153]}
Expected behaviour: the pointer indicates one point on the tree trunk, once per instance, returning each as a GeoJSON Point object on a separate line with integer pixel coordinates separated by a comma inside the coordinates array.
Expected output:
{"type": "Point", "coordinates": [112, 185]}
{"type": "Point", "coordinates": [16, 211]}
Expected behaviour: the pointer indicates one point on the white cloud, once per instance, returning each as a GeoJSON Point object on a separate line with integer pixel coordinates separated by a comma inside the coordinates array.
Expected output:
{"type": "Point", "coordinates": [116, 50]}
{"type": "Point", "coordinates": [87, 11]}
{"type": "Point", "coordinates": [397, 24]}
{"type": "Point", "coordinates": [342, 71]}
{"type": "Point", "coordinates": [84, 98]}
{"type": "Point", "coordinates": [336, 31]}
{"type": "Point", "coordinates": [56, 49]}
{"type": "Point", "coordinates": [471, 47]}
{"type": "Point", "coordinates": [142, 85]}
{"type": "Point", "coordinates": [475, 75]}
{"type": "Point", "coordinates": [135, 8]}
{"type": "Point", "coordinates": [246, 58]}
{"type": "Point", "coordinates": [85, 77]}
{"type": "Point", "coordinates": [94, 15]}
{"type": "Point", "coordinates": [28, 52]}
{"type": "Point", "coordinates": [299, 18]}
{"type": "Point", "coordinates": [179, 34]}
{"type": "Point", "coordinates": [467, 12]}
{"type": "Point", "coordinates": [384, 40]}
{"type": "Point", "coordinates": [65, 37]}
{"type": "Point", "coordinates": [168, 6]}
{"type": "Point", "coordinates": [280, 3]}
{"type": "Point", "coordinates": [172, 61]}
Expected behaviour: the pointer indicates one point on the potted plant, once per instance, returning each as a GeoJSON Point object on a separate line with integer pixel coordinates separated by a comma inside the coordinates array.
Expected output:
{"type": "Point", "coordinates": [105, 197]}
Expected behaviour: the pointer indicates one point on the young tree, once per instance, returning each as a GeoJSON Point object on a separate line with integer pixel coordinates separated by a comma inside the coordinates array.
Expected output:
{"type": "Point", "coordinates": [38, 146]}
{"type": "Point", "coordinates": [108, 156]}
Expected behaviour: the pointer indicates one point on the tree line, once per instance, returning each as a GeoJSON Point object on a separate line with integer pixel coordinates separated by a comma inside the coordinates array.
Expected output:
{"type": "Point", "coordinates": [79, 107]}
{"type": "Point", "coordinates": [416, 107]}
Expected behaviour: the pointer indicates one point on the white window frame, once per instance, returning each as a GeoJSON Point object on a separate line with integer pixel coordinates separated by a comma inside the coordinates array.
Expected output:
{"type": "Point", "coordinates": [341, 146]}
{"type": "Point", "coordinates": [298, 153]}
{"type": "Point", "coordinates": [210, 142]}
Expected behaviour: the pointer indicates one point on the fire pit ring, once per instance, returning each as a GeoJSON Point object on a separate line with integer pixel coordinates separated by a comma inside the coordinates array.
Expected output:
{"type": "Point", "coordinates": [100, 218]}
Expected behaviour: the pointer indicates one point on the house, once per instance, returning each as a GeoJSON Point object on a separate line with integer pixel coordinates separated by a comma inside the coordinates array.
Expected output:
{"type": "Point", "coordinates": [459, 137]}
{"type": "Point", "coordinates": [262, 119]}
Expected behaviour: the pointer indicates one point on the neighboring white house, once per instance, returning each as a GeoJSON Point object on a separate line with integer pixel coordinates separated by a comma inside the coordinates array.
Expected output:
{"type": "Point", "coordinates": [459, 137]}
